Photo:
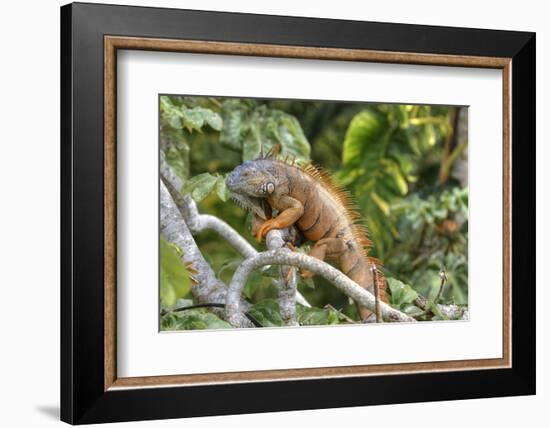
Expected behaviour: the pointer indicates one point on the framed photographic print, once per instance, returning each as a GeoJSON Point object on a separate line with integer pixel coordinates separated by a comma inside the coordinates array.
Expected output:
{"type": "Point", "coordinates": [276, 213]}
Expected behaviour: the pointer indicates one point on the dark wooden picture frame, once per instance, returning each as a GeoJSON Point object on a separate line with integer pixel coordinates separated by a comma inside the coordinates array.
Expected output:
{"type": "Point", "coordinates": [90, 37]}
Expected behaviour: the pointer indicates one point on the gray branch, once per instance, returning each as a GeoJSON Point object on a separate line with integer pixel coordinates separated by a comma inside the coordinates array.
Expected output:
{"type": "Point", "coordinates": [207, 288]}
{"type": "Point", "coordinates": [234, 311]}
{"type": "Point", "coordinates": [287, 284]}
{"type": "Point", "coordinates": [199, 222]}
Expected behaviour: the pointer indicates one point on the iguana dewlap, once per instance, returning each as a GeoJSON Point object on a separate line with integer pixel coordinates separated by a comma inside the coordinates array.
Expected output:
{"type": "Point", "coordinates": [308, 198]}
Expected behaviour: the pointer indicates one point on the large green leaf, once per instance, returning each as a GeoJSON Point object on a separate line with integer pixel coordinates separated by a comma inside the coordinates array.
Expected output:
{"type": "Point", "coordinates": [181, 115]}
{"type": "Point", "coordinates": [316, 316]}
{"type": "Point", "coordinates": [364, 133]}
{"type": "Point", "coordinates": [267, 313]}
{"type": "Point", "coordinates": [401, 294]}
{"type": "Point", "coordinates": [175, 281]}
{"type": "Point", "coordinates": [221, 188]}
{"type": "Point", "coordinates": [193, 319]}
{"type": "Point", "coordinates": [255, 129]}
{"type": "Point", "coordinates": [195, 118]}
{"type": "Point", "coordinates": [200, 186]}
{"type": "Point", "coordinates": [177, 156]}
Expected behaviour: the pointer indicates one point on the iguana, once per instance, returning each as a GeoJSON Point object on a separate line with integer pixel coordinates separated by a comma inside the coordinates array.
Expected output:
{"type": "Point", "coordinates": [308, 198]}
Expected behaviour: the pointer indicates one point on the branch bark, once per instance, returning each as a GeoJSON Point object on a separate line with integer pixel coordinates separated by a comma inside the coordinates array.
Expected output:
{"type": "Point", "coordinates": [208, 288]}
{"type": "Point", "coordinates": [234, 311]}
{"type": "Point", "coordinates": [288, 284]}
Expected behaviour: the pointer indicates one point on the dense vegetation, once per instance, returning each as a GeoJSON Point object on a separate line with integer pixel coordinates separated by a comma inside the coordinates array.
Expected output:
{"type": "Point", "coordinates": [405, 166]}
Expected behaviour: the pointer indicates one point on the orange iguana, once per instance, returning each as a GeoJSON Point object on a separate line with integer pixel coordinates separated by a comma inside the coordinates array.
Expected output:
{"type": "Point", "coordinates": [308, 198]}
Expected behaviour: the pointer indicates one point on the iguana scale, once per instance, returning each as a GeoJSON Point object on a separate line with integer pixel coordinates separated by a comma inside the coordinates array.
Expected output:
{"type": "Point", "coordinates": [308, 198]}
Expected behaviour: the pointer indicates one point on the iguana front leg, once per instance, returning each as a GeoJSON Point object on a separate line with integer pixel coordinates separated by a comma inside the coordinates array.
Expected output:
{"type": "Point", "coordinates": [290, 210]}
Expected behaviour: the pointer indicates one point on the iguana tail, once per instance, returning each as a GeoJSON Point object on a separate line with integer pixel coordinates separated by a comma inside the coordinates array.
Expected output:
{"type": "Point", "coordinates": [359, 267]}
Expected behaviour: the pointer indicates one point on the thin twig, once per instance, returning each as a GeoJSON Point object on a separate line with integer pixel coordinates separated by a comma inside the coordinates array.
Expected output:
{"type": "Point", "coordinates": [449, 311]}
{"type": "Point", "coordinates": [443, 277]}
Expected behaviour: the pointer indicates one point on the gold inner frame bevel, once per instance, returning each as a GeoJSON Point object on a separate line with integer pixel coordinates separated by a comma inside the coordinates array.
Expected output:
{"type": "Point", "coordinates": [113, 43]}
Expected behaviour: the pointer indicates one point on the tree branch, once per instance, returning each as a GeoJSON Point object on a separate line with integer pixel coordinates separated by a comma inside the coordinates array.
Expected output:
{"type": "Point", "coordinates": [199, 222]}
{"type": "Point", "coordinates": [208, 288]}
{"type": "Point", "coordinates": [234, 311]}
{"type": "Point", "coordinates": [288, 284]}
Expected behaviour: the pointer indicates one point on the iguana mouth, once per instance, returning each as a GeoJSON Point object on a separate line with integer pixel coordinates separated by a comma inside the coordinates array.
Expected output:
{"type": "Point", "coordinates": [257, 205]}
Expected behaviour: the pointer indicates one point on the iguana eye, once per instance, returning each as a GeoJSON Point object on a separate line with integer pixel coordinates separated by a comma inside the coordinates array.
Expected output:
{"type": "Point", "coordinates": [270, 187]}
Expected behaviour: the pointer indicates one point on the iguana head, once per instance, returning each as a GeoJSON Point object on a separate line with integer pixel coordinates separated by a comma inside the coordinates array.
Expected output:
{"type": "Point", "coordinates": [250, 183]}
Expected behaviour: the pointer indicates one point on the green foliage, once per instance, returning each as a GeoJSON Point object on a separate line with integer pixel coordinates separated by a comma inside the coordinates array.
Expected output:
{"type": "Point", "coordinates": [267, 313]}
{"type": "Point", "coordinates": [253, 129]}
{"type": "Point", "coordinates": [383, 155]}
{"type": "Point", "coordinates": [200, 186]}
{"type": "Point", "coordinates": [180, 115]}
{"type": "Point", "coordinates": [192, 319]}
{"type": "Point", "coordinates": [390, 158]}
{"type": "Point", "coordinates": [434, 237]}
{"type": "Point", "coordinates": [316, 316]}
{"type": "Point", "coordinates": [402, 296]}
{"type": "Point", "coordinates": [174, 278]}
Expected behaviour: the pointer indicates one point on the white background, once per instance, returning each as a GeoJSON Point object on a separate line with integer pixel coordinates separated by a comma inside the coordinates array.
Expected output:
{"type": "Point", "coordinates": [29, 230]}
{"type": "Point", "coordinates": [144, 352]}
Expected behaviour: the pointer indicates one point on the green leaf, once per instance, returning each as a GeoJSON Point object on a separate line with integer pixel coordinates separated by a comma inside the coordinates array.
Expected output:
{"type": "Point", "coordinates": [199, 319]}
{"type": "Point", "coordinates": [235, 123]}
{"type": "Point", "coordinates": [365, 130]}
{"type": "Point", "coordinates": [401, 293]}
{"type": "Point", "coordinates": [175, 281]}
{"type": "Point", "coordinates": [230, 264]}
{"type": "Point", "coordinates": [316, 316]}
{"type": "Point", "coordinates": [221, 189]}
{"type": "Point", "coordinates": [267, 313]}
{"type": "Point", "coordinates": [411, 309]}
{"type": "Point", "coordinates": [382, 204]}
{"type": "Point", "coordinates": [400, 182]}
{"type": "Point", "coordinates": [252, 145]}
{"type": "Point", "coordinates": [177, 156]}
{"type": "Point", "coordinates": [260, 284]}
{"type": "Point", "coordinates": [192, 119]}
{"type": "Point", "coordinates": [175, 121]}
{"type": "Point", "coordinates": [292, 138]}
{"type": "Point", "coordinates": [167, 293]}
{"type": "Point", "coordinates": [435, 309]}
{"type": "Point", "coordinates": [254, 129]}
{"type": "Point", "coordinates": [213, 119]}
{"type": "Point", "coordinates": [309, 283]}
{"type": "Point", "coordinates": [199, 186]}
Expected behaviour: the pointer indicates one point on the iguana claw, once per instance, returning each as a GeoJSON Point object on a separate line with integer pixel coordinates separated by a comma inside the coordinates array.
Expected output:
{"type": "Point", "coordinates": [265, 228]}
